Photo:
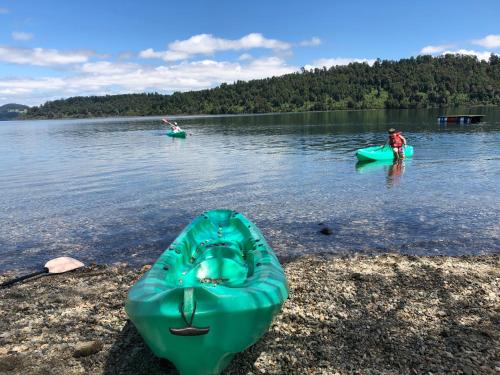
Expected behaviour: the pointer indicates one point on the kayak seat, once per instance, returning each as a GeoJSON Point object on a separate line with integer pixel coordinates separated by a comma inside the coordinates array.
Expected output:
{"type": "Point", "coordinates": [218, 265]}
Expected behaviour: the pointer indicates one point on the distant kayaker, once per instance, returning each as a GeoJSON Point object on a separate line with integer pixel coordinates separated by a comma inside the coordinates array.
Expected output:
{"type": "Point", "coordinates": [173, 125]}
{"type": "Point", "coordinates": [397, 143]}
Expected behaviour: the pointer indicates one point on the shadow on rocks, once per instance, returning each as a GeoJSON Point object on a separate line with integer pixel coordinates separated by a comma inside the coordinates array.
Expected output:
{"type": "Point", "coordinates": [410, 322]}
{"type": "Point", "coordinates": [130, 355]}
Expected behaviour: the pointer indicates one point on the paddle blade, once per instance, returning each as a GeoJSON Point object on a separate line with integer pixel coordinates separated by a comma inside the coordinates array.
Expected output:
{"type": "Point", "coordinates": [63, 264]}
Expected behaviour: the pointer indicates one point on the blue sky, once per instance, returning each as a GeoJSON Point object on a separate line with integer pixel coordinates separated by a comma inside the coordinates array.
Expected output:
{"type": "Point", "coordinates": [55, 49]}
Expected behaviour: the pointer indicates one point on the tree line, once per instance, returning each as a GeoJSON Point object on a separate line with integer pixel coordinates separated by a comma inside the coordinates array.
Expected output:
{"type": "Point", "coordinates": [416, 82]}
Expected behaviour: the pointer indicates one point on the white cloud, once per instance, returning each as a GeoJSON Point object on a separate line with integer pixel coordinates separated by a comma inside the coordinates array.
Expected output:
{"type": "Point", "coordinates": [126, 55]}
{"type": "Point", "coordinates": [106, 67]}
{"type": "Point", "coordinates": [429, 50]}
{"type": "Point", "coordinates": [481, 55]}
{"type": "Point", "coordinates": [111, 78]}
{"type": "Point", "coordinates": [314, 41]}
{"type": "Point", "coordinates": [164, 55]}
{"type": "Point", "coordinates": [42, 57]}
{"type": "Point", "coordinates": [207, 44]}
{"type": "Point", "coordinates": [490, 41]}
{"type": "Point", "coordinates": [245, 56]}
{"type": "Point", "coordinates": [445, 49]}
{"type": "Point", "coordinates": [19, 35]}
{"type": "Point", "coordinates": [337, 61]}
{"type": "Point", "coordinates": [4, 11]}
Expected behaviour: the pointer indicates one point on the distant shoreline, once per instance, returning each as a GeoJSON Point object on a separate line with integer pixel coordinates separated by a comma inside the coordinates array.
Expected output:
{"type": "Point", "coordinates": [202, 115]}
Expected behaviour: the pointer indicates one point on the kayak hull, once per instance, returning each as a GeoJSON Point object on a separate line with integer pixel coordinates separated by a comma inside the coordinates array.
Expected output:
{"type": "Point", "coordinates": [219, 273]}
{"type": "Point", "coordinates": [380, 153]}
{"type": "Point", "coordinates": [181, 134]}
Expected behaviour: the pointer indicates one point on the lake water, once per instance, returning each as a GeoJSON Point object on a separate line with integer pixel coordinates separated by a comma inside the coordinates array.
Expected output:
{"type": "Point", "coordinates": [108, 190]}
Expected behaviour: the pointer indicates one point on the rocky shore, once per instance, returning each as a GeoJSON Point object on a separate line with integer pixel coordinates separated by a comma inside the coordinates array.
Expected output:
{"type": "Point", "coordinates": [387, 314]}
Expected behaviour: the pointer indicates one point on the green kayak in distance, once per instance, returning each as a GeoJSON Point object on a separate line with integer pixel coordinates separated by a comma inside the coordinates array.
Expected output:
{"type": "Point", "coordinates": [213, 293]}
{"type": "Point", "coordinates": [380, 153]}
{"type": "Point", "coordinates": [181, 134]}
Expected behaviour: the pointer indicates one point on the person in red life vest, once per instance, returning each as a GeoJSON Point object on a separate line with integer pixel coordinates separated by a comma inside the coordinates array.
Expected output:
{"type": "Point", "coordinates": [397, 143]}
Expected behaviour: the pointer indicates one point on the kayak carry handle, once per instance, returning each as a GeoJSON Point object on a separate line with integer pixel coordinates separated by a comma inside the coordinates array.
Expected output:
{"type": "Point", "coordinates": [189, 330]}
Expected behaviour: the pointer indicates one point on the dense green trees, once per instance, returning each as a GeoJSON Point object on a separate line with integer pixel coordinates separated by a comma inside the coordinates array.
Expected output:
{"type": "Point", "coordinates": [419, 82]}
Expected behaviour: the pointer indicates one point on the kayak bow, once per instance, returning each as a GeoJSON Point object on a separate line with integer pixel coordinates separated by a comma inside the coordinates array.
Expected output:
{"type": "Point", "coordinates": [213, 293]}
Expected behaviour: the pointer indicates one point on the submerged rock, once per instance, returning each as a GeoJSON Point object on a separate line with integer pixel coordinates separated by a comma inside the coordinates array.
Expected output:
{"type": "Point", "coordinates": [326, 231]}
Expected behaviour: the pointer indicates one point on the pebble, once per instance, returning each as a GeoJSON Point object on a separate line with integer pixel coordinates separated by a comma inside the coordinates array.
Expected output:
{"type": "Point", "coordinates": [86, 348]}
{"type": "Point", "coordinates": [467, 370]}
{"type": "Point", "coordinates": [345, 315]}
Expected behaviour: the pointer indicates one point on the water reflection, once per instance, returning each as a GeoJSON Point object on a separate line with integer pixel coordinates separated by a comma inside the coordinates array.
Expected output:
{"type": "Point", "coordinates": [394, 169]}
{"type": "Point", "coordinates": [395, 172]}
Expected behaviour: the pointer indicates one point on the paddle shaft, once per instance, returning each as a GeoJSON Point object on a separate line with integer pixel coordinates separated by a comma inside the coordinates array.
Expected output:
{"type": "Point", "coordinates": [21, 278]}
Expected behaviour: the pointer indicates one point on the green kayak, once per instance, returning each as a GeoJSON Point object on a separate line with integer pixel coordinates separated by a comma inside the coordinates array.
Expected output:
{"type": "Point", "coordinates": [213, 293]}
{"type": "Point", "coordinates": [181, 134]}
{"type": "Point", "coordinates": [380, 153]}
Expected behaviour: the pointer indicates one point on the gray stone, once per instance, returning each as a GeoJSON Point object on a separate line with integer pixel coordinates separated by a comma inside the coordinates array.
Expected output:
{"type": "Point", "coordinates": [86, 348]}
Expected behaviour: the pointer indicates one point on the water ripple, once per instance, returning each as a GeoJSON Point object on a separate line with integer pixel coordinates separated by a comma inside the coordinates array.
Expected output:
{"type": "Point", "coordinates": [120, 190]}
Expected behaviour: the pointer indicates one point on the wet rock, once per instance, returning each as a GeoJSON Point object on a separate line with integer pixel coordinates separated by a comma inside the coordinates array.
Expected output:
{"type": "Point", "coordinates": [326, 231]}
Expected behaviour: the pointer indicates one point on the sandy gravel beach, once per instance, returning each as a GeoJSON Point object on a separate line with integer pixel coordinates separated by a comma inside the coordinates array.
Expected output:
{"type": "Point", "coordinates": [388, 314]}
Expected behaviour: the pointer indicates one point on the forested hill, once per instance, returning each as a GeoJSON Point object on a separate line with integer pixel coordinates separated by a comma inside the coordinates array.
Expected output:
{"type": "Point", "coordinates": [12, 111]}
{"type": "Point", "coordinates": [419, 82]}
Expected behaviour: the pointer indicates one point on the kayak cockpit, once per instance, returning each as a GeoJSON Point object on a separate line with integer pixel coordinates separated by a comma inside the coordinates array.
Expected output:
{"type": "Point", "coordinates": [216, 249]}
{"type": "Point", "coordinates": [218, 264]}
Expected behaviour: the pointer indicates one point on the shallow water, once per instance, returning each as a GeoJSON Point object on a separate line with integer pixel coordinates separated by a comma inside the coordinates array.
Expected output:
{"type": "Point", "coordinates": [120, 190]}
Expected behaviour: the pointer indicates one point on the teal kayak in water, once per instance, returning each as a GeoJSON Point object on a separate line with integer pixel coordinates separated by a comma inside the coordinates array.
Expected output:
{"type": "Point", "coordinates": [213, 293]}
{"type": "Point", "coordinates": [381, 153]}
{"type": "Point", "coordinates": [181, 134]}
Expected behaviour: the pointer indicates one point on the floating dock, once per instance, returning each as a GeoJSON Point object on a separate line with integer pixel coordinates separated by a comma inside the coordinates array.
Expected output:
{"type": "Point", "coordinates": [460, 119]}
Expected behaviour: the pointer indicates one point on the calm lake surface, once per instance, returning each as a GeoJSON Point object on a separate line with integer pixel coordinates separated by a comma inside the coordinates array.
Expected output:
{"type": "Point", "coordinates": [111, 190]}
